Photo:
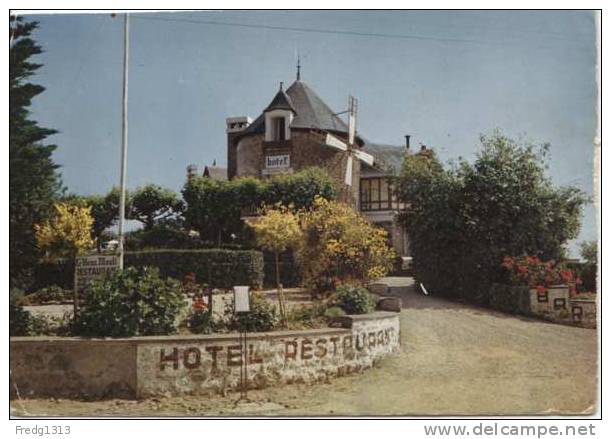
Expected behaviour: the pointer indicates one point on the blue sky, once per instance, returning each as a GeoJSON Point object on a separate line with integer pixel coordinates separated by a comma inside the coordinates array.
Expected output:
{"type": "Point", "coordinates": [444, 77]}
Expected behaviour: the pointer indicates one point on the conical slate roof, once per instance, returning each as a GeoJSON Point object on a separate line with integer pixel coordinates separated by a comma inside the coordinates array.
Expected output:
{"type": "Point", "coordinates": [281, 102]}
{"type": "Point", "coordinates": [310, 111]}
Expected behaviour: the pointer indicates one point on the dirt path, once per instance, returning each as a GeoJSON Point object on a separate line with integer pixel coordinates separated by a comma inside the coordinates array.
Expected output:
{"type": "Point", "coordinates": [455, 360]}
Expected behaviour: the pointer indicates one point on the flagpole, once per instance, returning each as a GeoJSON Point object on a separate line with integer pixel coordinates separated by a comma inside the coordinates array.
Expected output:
{"type": "Point", "coordinates": [124, 139]}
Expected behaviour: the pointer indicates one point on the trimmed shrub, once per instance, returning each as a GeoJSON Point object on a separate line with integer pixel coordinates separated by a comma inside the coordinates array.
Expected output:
{"type": "Point", "coordinates": [43, 324]}
{"type": "Point", "coordinates": [219, 268]}
{"type": "Point", "coordinates": [513, 299]}
{"type": "Point", "coordinates": [18, 317]}
{"type": "Point", "coordinates": [262, 316]}
{"type": "Point", "coordinates": [216, 267]}
{"type": "Point", "coordinates": [289, 271]}
{"type": "Point", "coordinates": [200, 322]}
{"type": "Point", "coordinates": [307, 316]}
{"type": "Point", "coordinates": [135, 301]}
{"type": "Point", "coordinates": [18, 320]}
{"type": "Point", "coordinates": [52, 294]}
{"type": "Point", "coordinates": [161, 236]}
{"type": "Point", "coordinates": [354, 299]}
{"type": "Point", "coordinates": [334, 311]}
{"type": "Point", "coordinates": [59, 272]}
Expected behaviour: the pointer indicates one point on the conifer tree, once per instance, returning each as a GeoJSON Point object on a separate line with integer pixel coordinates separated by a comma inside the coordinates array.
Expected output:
{"type": "Point", "coordinates": [34, 181]}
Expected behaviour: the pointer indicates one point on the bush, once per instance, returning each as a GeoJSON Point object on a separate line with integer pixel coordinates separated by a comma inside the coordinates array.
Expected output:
{"type": "Point", "coordinates": [354, 299]}
{"type": "Point", "coordinates": [165, 236]}
{"type": "Point", "coordinates": [289, 270]}
{"type": "Point", "coordinates": [52, 294]}
{"type": "Point", "coordinates": [220, 268]}
{"type": "Point", "coordinates": [307, 316]}
{"type": "Point", "coordinates": [43, 324]}
{"type": "Point", "coordinates": [59, 272]}
{"type": "Point", "coordinates": [339, 242]}
{"type": "Point", "coordinates": [334, 311]}
{"type": "Point", "coordinates": [200, 322]}
{"type": "Point", "coordinates": [262, 316]}
{"type": "Point", "coordinates": [18, 320]}
{"type": "Point", "coordinates": [216, 267]}
{"type": "Point", "coordinates": [18, 317]}
{"type": "Point", "coordinates": [458, 218]}
{"type": "Point", "coordinates": [214, 207]}
{"type": "Point", "coordinates": [514, 299]}
{"type": "Point", "coordinates": [135, 301]}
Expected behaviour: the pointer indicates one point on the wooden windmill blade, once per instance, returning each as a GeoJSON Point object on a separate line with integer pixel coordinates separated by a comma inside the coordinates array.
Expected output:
{"type": "Point", "coordinates": [351, 119]}
{"type": "Point", "coordinates": [350, 149]}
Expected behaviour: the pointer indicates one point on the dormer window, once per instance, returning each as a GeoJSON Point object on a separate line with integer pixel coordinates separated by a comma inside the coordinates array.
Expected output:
{"type": "Point", "coordinates": [278, 117]}
{"type": "Point", "coordinates": [278, 129]}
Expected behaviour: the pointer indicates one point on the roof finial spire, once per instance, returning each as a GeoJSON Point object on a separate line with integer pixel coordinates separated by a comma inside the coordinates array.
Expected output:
{"type": "Point", "coordinates": [298, 67]}
{"type": "Point", "coordinates": [281, 84]}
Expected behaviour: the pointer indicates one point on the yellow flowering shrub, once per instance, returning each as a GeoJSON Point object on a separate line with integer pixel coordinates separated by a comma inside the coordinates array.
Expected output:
{"type": "Point", "coordinates": [67, 233]}
{"type": "Point", "coordinates": [276, 230]}
{"type": "Point", "coordinates": [338, 242]}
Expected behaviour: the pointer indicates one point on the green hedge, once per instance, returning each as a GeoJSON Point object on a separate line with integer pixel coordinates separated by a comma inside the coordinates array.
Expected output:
{"type": "Point", "coordinates": [289, 271]}
{"type": "Point", "coordinates": [59, 272]}
{"type": "Point", "coordinates": [217, 267]}
{"type": "Point", "coordinates": [513, 299]}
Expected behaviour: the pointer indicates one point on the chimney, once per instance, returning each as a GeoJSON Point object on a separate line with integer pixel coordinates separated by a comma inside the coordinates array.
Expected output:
{"type": "Point", "coordinates": [237, 124]}
{"type": "Point", "coordinates": [191, 171]}
{"type": "Point", "coordinates": [407, 136]}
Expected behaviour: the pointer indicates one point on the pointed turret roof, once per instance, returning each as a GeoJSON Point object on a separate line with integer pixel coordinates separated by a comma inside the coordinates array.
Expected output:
{"type": "Point", "coordinates": [281, 102]}
{"type": "Point", "coordinates": [310, 110]}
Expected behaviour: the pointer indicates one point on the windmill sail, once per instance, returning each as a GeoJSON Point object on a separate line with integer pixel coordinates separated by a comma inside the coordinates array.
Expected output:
{"type": "Point", "coordinates": [348, 179]}
{"type": "Point", "coordinates": [351, 120]}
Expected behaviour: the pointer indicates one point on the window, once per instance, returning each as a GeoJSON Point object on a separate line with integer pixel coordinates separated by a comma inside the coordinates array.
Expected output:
{"type": "Point", "coordinates": [376, 194]}
{"type": "Point", "coordinates": [279, 131]}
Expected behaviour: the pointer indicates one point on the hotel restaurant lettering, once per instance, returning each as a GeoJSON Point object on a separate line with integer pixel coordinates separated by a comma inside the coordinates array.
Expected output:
{"type": "Point", "coordinates": [92, 267]}
{"type": "Point", "coordinates": [294, 350]}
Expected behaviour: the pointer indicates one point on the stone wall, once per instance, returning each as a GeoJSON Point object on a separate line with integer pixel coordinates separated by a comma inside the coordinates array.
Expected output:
{"type": "Point", "coordinates": [147, 366]}
{"type": "Point", "coordinates": [69, 367]}
{"type": "Point", "coordinates": [305, 150]}
{"type": "Point", "coordinates": [555, 304]}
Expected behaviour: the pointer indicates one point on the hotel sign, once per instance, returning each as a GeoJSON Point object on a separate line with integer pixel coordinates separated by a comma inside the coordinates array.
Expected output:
{"type": "Point", "coordinates": [278, 161]}
{"type": "Point", "coordinates": [93, 267]}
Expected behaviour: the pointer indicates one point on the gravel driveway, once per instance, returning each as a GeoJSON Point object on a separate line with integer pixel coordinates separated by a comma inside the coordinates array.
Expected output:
{"type": "Point", "coordinates": [455, 360]}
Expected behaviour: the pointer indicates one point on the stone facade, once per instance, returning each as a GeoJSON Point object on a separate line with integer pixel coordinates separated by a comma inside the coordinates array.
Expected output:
{"type": "Point", "coordinates": [148, 366]}
{"type": "Point", "coordinates": [304, 149]}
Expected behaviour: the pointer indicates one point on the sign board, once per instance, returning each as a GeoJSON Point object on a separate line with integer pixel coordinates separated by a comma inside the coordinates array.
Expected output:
{"type": "Point", "coordinates": [241, 299]}
{"type": "Point", "coordinates": [282, 161]}
{"type": "Point", "coordinates": [92, 267]}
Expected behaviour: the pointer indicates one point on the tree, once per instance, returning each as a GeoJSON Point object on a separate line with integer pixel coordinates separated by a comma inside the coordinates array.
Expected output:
{"type": "Point", "coordinates": [152, 204]}
{"type": "Point", "coordinates": [300, 190]}
{"type": "Point", "coordinates": [276, 231]}
{"type": "Point", "coordinates": [34, 181]}
{"type": "Point", "coordinates": [215, 207]}
{"type": "Point", "coordinates": [67, 233]}
{"type": "Point", "coordinates": [339, 242]}
{"type": "Point", "coordinates": [464, 220]}
{"type": "Point", "coordinates": [588, 270]}
{"type": "Point", "coordinates": [105, 212]}
{"type": "Point", "coordinates": [589, 251]}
